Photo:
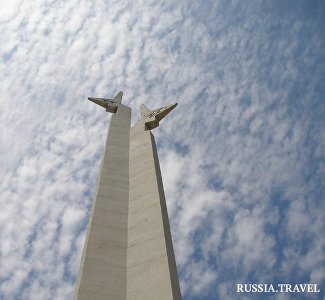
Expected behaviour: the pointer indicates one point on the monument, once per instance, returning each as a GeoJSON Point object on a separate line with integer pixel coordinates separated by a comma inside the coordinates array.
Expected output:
{"type": "Point", "coordinates": [128, 252]}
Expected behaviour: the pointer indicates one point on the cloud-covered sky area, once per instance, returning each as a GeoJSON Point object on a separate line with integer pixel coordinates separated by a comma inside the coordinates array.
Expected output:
{"type": "Point", "coordinates": [242, 156]}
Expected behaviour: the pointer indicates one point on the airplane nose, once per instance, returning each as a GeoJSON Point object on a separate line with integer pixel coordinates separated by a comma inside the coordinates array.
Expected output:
{"type": "Point", "coordinates": [98, 101]}
{"type": "Point", "coordinates": [170, 107]}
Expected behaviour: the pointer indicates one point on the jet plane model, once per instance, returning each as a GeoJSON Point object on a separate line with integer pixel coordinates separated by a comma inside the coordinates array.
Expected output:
{"type": "Point", "coordinates": [109, 104]}
{"type": "Point", "coordinates": [153, 117]}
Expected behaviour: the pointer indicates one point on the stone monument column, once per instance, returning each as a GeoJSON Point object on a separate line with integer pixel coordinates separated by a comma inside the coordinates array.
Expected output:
{"type": "Point", "coordinates": [151, 267]}
{"type": "Point", "coordinates": [128, 252]}
{"type": "Point", "coordinates": [103, 267]}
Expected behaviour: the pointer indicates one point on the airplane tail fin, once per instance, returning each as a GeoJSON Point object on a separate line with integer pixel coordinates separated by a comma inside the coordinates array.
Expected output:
{"type": "Point", "coordinates": [144, 110]}
{"type": "Point", "coordinates": [118, 97]}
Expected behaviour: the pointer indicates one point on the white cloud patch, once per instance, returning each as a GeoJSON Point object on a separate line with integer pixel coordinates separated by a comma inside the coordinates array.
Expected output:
{"type": "Point", "coordinates": [242, 156]}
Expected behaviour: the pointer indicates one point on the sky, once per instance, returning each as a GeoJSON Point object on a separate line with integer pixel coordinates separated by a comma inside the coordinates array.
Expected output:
{"type": "Point", "coordinates": [242, 155]}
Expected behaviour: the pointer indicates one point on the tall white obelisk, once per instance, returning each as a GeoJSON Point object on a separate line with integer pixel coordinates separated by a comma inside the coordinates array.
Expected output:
{"type": "Point", "coordinates": [128, 252]}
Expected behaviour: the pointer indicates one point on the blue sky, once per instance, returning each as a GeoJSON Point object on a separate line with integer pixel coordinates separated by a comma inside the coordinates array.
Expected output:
{"type": "Point", "coordinates": [242, 156]}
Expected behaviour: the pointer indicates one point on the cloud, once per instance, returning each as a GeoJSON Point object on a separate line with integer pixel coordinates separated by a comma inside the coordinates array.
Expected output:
{"type": "Point", "coordinates": [242, 156]}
